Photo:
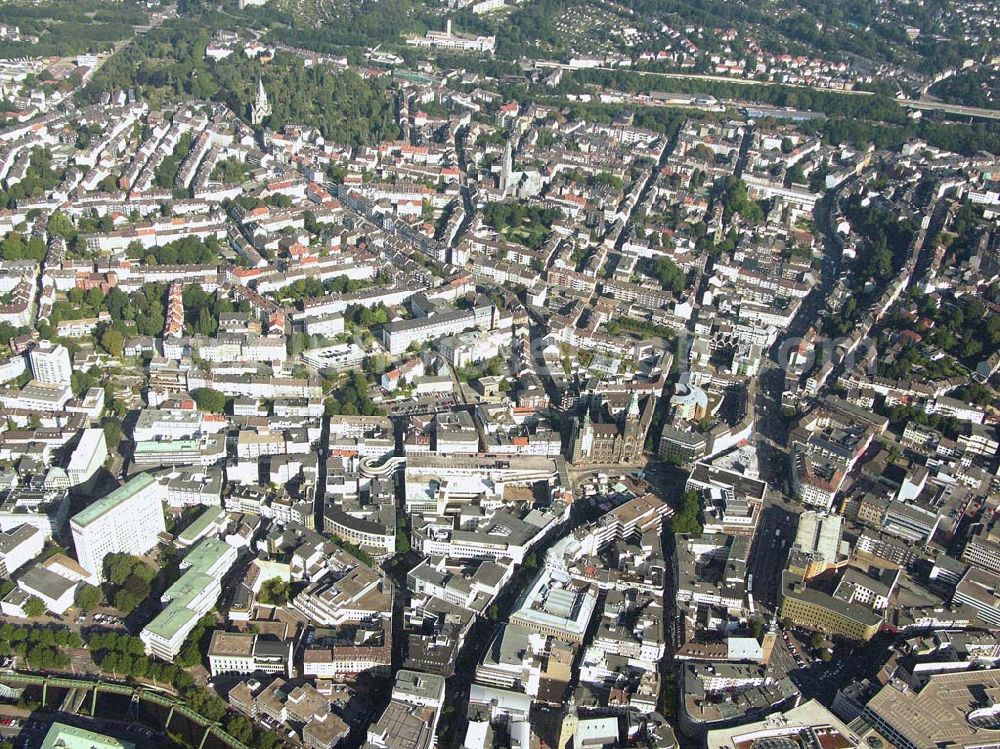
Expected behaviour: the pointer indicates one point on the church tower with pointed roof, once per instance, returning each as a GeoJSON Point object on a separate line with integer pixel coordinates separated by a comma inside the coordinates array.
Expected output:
{"type": "Point", "coordinates": [633, 432]}
{"type": "Point", "coordinates": [506, 170]}
{"type": "Point", "coordinates": [611, 433]}
{"type": "Point", "coordinates": [261, 108]}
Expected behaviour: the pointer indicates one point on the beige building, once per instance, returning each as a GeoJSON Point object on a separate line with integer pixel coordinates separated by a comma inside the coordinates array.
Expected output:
{"type": "Point", "coordinates": [809, 724]}
{"type": "Point", "coordinates": [818, 611]}
{"type": "Point", "coordinates": [957, 710]}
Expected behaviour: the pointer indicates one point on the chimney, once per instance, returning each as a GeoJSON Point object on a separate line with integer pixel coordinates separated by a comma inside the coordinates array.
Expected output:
{"type": "Point", "coordinates": [447, 28]}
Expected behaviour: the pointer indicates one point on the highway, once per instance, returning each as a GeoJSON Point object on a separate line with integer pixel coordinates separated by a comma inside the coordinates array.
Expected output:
{"type": "Point", "coordinates": [702, 77]}
{"type": "Point", "coordinates": [930, 105]}
{"type": "Point", "coordinates": [924, 104]}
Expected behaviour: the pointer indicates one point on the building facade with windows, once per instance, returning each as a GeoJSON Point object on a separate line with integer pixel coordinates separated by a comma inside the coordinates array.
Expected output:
{"type": "Point", "coordinates": [129, 520]}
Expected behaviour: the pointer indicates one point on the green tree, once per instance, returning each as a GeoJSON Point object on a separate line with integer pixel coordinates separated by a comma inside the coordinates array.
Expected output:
{"type": "Point", "coordinates": [671, 278]}
{"type": "Point", "coordinates": [134, 591]}
{"type": "Point", "coordinates": [7, 331]}
{"type": "Point", "coordinates": [168, 63]}
{"type": "Point", "coordinates": [273, 592]}
{"type": "Point", "coordinates": [519, 222]}
{"type": "Point", "coordinates": [735, 200]}
{"type": "Point", "coordinates": [117, 567]}
{"type": "Point", "coordinates": [113, 342]}
{"type": "Point", "coordinates": [60, 224]}
{"type": "Point", "coordinates": [116, 302]}
{"type": "Point", "coordinates": [206, 324]}
{"type": "Point", "coordinates": [209, 400]}
{"type": "Point", "coordinates": [240, 729]}
{"type": "Point", "coordinates": [88, 597]}
{"type": "Point", "coordinates": [686, 519]}
{"type": "Point", "coordinates": [196, 643]}
{"type": "Point", "coordinates": [34, 607]}
{"type": "Point", "coordinates": [352, 397]}
{"type": "Point", "coordinates": [112, 434]}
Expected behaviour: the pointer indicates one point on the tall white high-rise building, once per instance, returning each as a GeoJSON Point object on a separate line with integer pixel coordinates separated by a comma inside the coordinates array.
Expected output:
{"type": "Point", "coordinates": [50, 364]}
{"type": "Point", "coordinates": [88, 457]}
{"type": "Point", "coordinates": [506, 170]}
{"type": "Point", "coordinates": [128, 520]}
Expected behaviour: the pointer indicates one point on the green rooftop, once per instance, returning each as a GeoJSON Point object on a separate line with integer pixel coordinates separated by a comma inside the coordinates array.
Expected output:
{"type": "Point", "coordinates": [62, 736]}
{"type": "Point", "coordinates": [202, 522]}
{"type": "Point", "coordinates": [188, 587]}
{"type": "Point", "coordinates": [174, 617]}
{"type": "Point", "coordinates": [126, 491]}
{"type": "Point", "coordinates": [202, 557]}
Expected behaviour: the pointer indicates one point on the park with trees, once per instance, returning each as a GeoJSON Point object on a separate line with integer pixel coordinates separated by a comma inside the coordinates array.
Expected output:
{"type": "Point", "coordinates": [169, 62]}
{"type": "Point", "coordinates": [128, 581]}
{"type": "Point", "coordinates": [522, 223]}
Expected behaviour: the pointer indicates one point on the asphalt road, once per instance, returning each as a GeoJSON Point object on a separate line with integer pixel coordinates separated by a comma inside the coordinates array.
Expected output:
{"type": "Point", "coordinates": [769, 552]}
{"type": "Point", "coordinates": [779, 517]}
{"type": "Point", "coordinates": [820, 680]}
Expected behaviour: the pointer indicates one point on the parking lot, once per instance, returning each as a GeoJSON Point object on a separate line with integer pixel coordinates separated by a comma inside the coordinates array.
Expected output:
{"type": "Point", "coordinates": [23, 732]}
{"type": "Point", "coordinates": [104, 618]}
{"type": "Point", "coordinates": [797, 641]}
{"type": "Point", "coordinates": [28, 731]}
{"type": "Point", "coordinates": [426, 405]}
{"type": "Point", "coordinates": [110, 621]}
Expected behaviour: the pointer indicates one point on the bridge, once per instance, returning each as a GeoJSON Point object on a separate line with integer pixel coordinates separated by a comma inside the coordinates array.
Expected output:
{"type": "Point", "coordinates": [79, 688]}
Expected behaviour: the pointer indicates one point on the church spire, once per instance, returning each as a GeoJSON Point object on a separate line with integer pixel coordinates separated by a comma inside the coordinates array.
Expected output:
{"type": "Point", "coordinates": [506, 168]}
{"type": "Point", "coordinates": [261, 108]}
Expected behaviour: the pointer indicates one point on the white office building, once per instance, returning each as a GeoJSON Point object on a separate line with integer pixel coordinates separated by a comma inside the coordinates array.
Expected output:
{"type": "Point", "coordinates": [128, 520]}
{"type": "Point", "coordinates": [50, 364]}
{"type": "Point", "coordinates": [37, 396]}
{"type": "Point", "coordinates": [247, 653]}
{"type": "Point", "coordinates": [397, 336]}
{"type": "Point", "coordinates": [19, 546]}
{"type": "Point", "coordinates": [89, 455]}
{"type": "Point", "coordinates": [55, 591]}
{"type": "Point", "coordinates": [191, 597]}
